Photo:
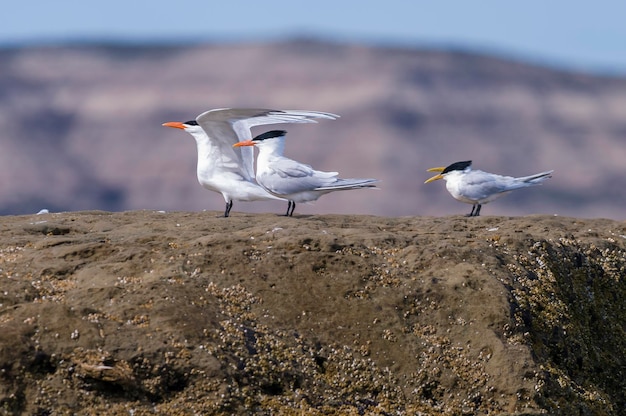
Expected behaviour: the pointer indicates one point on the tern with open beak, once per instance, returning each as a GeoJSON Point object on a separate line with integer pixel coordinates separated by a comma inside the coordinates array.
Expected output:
{"type": "Point", "coordinates": [477, 187]}
{"type": "Point", "coordinates": [292, 180]}
{"type": "Point", "coordinates": [227, 170]}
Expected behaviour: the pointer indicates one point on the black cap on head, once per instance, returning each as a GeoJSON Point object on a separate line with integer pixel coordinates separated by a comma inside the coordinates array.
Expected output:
{"type": "Point", "coordinates": [270, 135]}
{"type": "Point", "coordinates": [457, 166]}
{"type": "Point", "coordinates": [191, 123]}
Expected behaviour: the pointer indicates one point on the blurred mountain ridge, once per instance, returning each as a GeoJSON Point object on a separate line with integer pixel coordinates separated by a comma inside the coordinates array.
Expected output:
{"type": "Point", "coordinates": [81, 125]}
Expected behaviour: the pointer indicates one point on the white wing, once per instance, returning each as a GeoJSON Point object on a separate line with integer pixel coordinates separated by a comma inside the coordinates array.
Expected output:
{"type": "Point", "coordinates": [230, 125]}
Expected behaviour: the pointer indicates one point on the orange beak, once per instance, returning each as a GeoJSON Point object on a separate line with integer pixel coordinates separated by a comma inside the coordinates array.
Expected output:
{"type": "Point", "coordinates": [244, 143]}
{"type": "Point", "coordinates": [174, 124]}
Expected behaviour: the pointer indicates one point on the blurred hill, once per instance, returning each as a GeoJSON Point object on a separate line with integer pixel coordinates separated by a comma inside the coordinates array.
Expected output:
{"type": "Point", "coordinates": [80, 126]}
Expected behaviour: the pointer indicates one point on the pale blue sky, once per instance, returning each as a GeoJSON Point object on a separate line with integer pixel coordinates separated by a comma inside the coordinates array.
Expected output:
{"type": "Point", "coordinates": [587, 35]}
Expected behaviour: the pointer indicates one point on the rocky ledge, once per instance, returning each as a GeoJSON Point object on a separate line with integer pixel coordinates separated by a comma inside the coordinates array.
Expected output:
{"type": "Point", "coordinates": [148, 313]}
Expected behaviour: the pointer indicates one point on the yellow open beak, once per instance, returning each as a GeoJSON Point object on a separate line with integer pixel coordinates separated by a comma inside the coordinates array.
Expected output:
{"type": "Point", "coordinates": [436, 177]}
{"type": "Point", "coordinates": [174, 124]}
{"type": "Point", "coordinates": [244, 143]}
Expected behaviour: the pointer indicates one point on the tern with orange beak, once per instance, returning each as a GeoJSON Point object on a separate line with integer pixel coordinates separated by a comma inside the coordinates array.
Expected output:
{"type": "Point", "coordinates": [227, 170]}
{"type": "Point", "coordinates": [292, 180]}
{"type": "Point", "coordinates": [477, 187]}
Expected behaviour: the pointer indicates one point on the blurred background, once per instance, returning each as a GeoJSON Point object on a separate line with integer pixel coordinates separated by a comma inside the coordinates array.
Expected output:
{"type": "Point", "coordinates": [517, 87]}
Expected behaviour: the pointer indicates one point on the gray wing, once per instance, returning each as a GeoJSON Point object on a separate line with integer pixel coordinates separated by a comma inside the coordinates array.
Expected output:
{"type": "Point", "coordinates": [480, 185]}
{"type": "Point", "coordinates": [287, 176]}
{"type": "Point", "coordinates": [230, 125]}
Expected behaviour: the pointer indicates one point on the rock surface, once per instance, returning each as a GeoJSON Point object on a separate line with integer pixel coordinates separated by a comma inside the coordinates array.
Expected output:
{"type": "Point", "coordinates": [149, 312]}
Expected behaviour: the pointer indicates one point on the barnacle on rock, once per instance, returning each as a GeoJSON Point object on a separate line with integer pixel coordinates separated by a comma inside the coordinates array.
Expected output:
{"type": "Point", "coordinates": [316, 315]}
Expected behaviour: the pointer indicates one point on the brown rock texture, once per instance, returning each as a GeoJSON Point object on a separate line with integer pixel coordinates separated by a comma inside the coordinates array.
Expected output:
{"type": "Point", "coordinates": [147, 312]}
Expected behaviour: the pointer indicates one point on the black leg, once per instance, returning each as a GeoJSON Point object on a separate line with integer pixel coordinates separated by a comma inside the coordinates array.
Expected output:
{"type": "Point", "coordinates": [475, 211]}
{"type": "Point", "coordinates": [290, 208]}
{"type": "Point", "coordinates": [229, 205]}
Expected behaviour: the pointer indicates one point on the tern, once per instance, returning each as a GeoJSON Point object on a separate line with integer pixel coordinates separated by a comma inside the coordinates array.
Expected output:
{"type": "Point", "coordinates": [227, 170]}
{"type": "Point", "coordinates": [477, 187]}
{"type": "Point", "coordinates": [292, 180]}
